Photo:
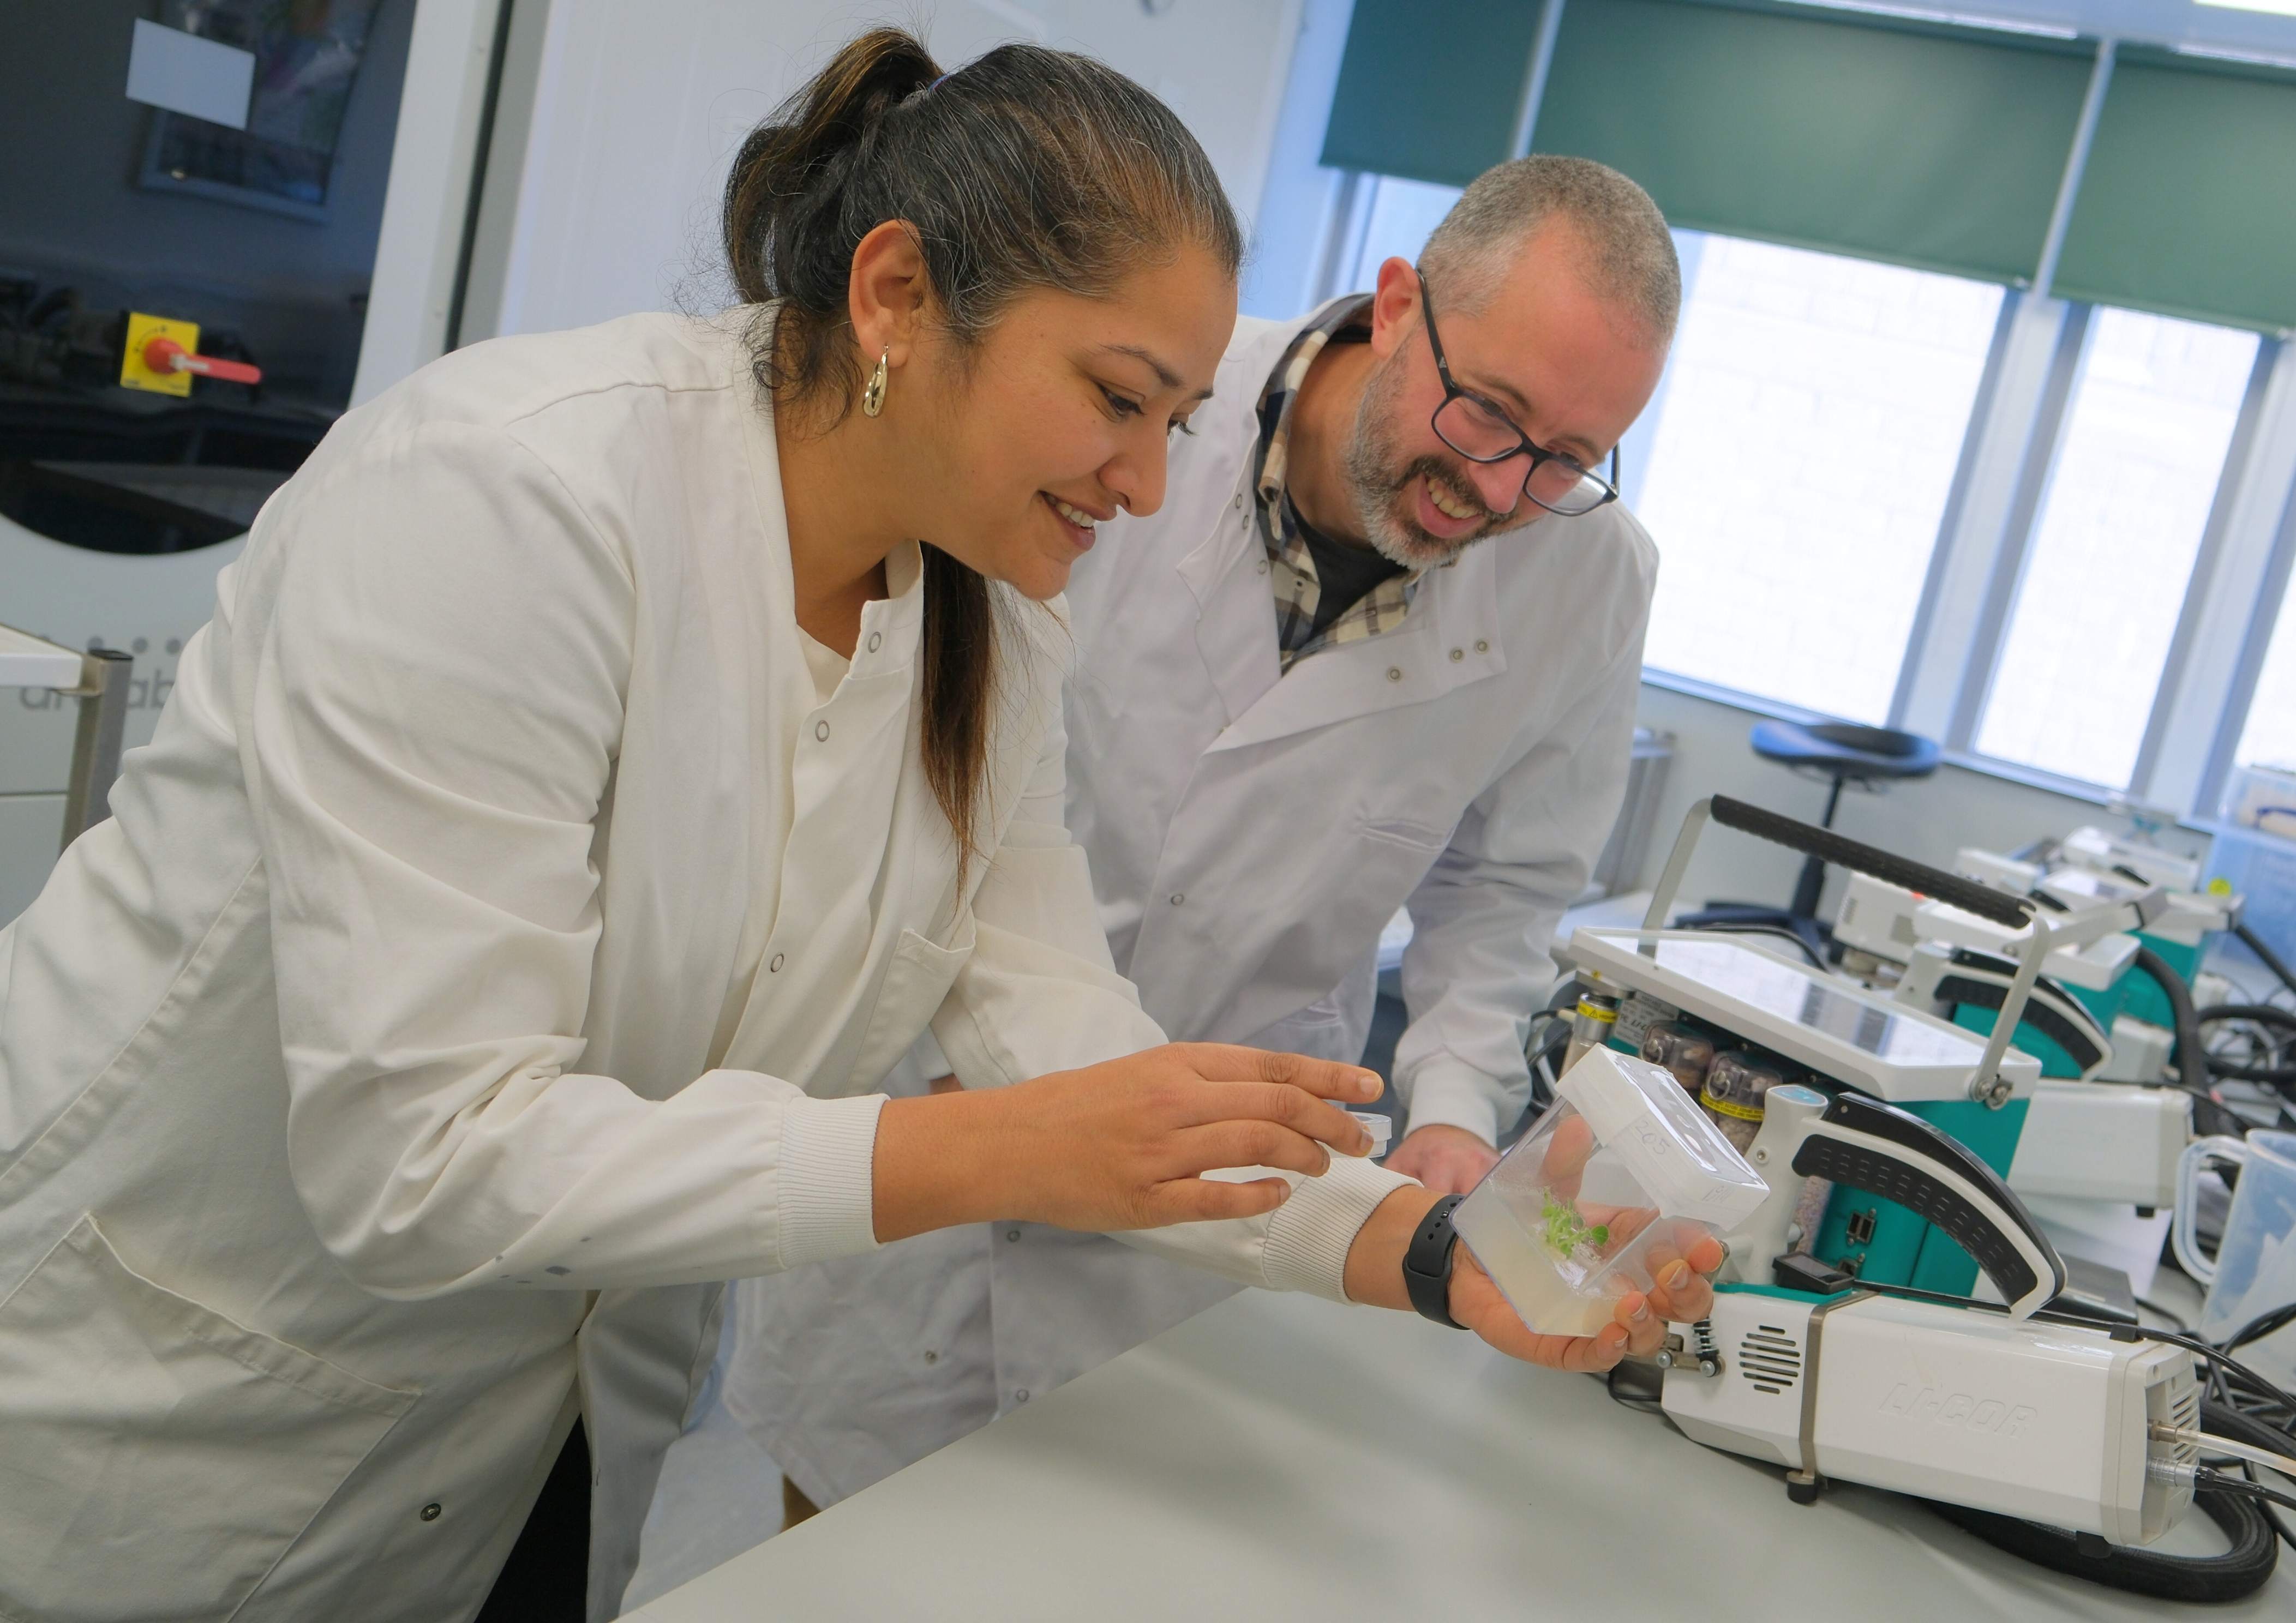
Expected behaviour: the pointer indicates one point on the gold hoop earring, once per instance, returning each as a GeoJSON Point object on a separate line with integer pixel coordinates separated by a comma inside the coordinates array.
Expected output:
{"type": "Point", "coordinates": [873, 397]}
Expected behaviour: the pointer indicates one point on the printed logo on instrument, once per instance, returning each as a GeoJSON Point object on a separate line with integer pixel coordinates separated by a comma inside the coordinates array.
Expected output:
{"type": "Point", "coordinates": [1928, 1405]}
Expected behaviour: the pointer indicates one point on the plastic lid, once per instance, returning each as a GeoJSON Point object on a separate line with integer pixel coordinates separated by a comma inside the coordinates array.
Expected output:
{"type": "Point", "coordinates": [1642, 1115]}
{"type": "Point", "coordinates": [1381, 1128]}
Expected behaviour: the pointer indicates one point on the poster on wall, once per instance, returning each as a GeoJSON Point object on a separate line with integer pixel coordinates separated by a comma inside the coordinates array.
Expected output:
{"type": "Point", "coordinates": [306, 59]}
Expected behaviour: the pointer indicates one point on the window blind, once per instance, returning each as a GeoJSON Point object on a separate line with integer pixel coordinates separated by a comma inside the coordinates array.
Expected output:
{"type": "Point", "coordinates": [2187, 205]}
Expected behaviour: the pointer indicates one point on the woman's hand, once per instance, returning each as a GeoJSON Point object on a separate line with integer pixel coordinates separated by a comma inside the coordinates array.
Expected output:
{"type": "Point", "coordinates": [1683, 1293]}
{"type": "Point", "coordinates": [1116, 1145]}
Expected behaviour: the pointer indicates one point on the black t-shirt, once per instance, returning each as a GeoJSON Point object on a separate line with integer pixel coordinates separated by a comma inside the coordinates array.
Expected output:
{"type": "Point", "coordinates": [1345, 575]}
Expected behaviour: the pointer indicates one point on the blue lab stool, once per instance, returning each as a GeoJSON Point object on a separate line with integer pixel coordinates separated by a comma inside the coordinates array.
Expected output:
{"type": "Point", "coordinates": [1845, 753]}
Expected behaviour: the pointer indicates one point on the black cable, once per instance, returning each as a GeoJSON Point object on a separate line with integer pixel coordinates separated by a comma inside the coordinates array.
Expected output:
{"type": "Point", "coordinates": [2230, 1420]}
{"type": "Point", "coordinates": [2240, 1572]}
{"type": "Point", "coordinates": [2239, 1506]}
{"type": "Point", "coordinates": [1550, 1042]}
{"type": "Point", "coordinates": [2208, 1477]}
{"type": "Point", "coordinates": [2174, 1319]}
{"type": "Point", "coordinates": [2255, 1014]}
{"type": "Point", "coordinates": [2265, 956]}
{"type": "Point", "coordinates": [1631, 1385]}
{"type": "Point", "coordinates": [2262, 1325]}
{"type": "Point", "coordinates": [2191, 1059]}
{"type": "Point", "coordinates": [2263, 1014]}
{"type": "Point", "coordinates": [2190, 1054]}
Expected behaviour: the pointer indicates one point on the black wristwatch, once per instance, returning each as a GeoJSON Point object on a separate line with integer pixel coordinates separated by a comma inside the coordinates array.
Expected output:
{"type": "Point", "coordinates": [1427, 1263]}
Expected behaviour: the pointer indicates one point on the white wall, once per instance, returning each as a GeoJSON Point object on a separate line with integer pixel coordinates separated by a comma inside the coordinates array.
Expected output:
{"type": "Point", "coordinates": [1294, 213]}
{"type": "Point", "coordinates": [606, 202]}
{"type": "Point", "coordinates": [1927, 820]}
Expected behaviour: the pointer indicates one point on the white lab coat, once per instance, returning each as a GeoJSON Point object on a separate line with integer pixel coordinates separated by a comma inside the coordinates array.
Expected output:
{"type": "Point", "coordinates": [1249, 839]}
{"type": "Point", "coordinates": [499, 941]}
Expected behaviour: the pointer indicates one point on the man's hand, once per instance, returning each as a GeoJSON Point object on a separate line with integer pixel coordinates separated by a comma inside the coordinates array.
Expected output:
{"type": "Point", "coordinates": [1683, 1293]}
{"type": "Point", "coordinates": [1449, 1160]}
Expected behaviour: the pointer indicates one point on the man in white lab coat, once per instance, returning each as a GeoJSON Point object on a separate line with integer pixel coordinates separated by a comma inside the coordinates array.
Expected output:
{"type": "Point", "coordinates": [1379, 648]}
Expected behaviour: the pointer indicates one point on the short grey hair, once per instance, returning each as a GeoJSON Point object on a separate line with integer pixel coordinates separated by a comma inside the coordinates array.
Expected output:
{"type": "Point", "coordinates": [1624, 249]}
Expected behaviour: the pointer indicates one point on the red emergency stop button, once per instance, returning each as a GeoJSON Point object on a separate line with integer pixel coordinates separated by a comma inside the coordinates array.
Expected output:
{"type": "Point", "coordinates": [164, 354]}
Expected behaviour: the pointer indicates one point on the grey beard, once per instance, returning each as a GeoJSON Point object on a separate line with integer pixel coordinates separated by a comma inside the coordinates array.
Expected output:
{"type": "Point", "coordinates": [1373, 486]}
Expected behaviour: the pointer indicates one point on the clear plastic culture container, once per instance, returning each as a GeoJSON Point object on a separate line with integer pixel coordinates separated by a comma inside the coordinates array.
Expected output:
{"type": "Point", "coordinates": [1623, 1176]}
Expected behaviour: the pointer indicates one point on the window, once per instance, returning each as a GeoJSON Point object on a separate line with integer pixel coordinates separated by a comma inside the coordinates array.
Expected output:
{"type": "Point", "coordinates": [1401, 215]}
{"type": "Point", "coordinates": [2269, 737]}
{"type": "Point", "coordinates": [1798, 461]}
{"type": "Point", "coordinates": [1805, 442]}
{"type": "Point", "coordinates": [2136, 475]}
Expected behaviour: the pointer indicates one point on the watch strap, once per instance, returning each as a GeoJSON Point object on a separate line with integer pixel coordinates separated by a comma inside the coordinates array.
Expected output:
{"type": "Point", "coordinates": [1427, 1263]}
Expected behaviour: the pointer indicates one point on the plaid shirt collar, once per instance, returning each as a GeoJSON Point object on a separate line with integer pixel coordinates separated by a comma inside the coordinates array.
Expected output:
{"type": "Point", "coordinates": [1290, 566]}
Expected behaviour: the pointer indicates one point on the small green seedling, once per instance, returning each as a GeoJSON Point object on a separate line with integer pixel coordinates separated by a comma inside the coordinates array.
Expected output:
{"type": "Point", "coordinates": [1566, 1230]}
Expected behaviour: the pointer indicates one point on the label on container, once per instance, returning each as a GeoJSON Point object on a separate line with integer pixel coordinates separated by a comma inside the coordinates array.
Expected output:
{"type": "Point", "coordinates": [1637, 1015]}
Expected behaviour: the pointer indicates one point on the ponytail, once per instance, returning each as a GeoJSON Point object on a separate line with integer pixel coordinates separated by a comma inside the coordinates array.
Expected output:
{"type": "Point", "coordinates": [1026, 168]}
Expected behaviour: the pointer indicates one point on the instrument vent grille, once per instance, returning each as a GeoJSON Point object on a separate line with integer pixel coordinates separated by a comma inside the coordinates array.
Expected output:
{"type": "Point", "coordinates": [1770, 1358]}
{"type": "Point", "coordinates": [2185, 1415]}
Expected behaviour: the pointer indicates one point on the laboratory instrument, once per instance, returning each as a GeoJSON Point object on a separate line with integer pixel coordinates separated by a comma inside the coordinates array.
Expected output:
{"type": "Point", "coordinates": [2081, 1140]}
{"type": "Point", "coordinates": [1845, 1339]}
{"type": "Point", "coordinates": [2046, 1422]}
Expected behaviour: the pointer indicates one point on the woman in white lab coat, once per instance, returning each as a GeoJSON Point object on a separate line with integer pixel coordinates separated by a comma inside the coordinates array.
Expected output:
{"type": "Point", "coordinates": [585, 792]}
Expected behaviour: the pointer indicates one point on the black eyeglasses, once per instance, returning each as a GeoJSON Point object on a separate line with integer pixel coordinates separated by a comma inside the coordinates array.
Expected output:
{"type": "Point", "coordinates": [1480, 430]}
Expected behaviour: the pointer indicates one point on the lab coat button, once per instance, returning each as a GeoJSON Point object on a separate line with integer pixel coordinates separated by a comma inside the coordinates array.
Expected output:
{"type": "Point", "coordinates": [775, 968]}
{"type": "Point", "coordinates": [931, 1357]}
{"type": "Point", "coordinates": [1013, 1235]}
{"type": "Point", "coordinates": [821, 731]}
{"type": "Point", "coordinates": [433, 1510]}
{"type": "Point", "coordinates": [1395, 673]}
{"type": "Point", "coordinates": [1260, 568]}
{"type": "Point", "coordinates": [1022, 1396]}
{"type": "Point", "coordinates": [876, 641]}
{"type": "Point", "coordinates": [1458, 653]}
{"type": "Point", "coordinates": [1482, 647]}
{"type": "Point", "coordinates": [1178, 897]}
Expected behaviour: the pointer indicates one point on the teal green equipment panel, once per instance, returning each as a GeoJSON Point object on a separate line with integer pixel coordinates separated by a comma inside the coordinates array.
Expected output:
{"type": "Point", "coordinates": [1877, 1239]}
{"type": "Point", "coordinates": [1873, 1237]}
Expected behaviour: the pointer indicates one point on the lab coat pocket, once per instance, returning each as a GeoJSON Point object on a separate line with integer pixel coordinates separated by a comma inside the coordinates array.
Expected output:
{"type": "Point", "coordinates": [159, 1458]}
{"type": "Point", "coordinates": [1410, 836]}
{"type": "Point", "coordinates": [917, 979]}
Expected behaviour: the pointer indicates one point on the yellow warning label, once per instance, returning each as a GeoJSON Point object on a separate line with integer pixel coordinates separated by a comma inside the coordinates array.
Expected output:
{"type": "Point", "coordinates": [141, 331]}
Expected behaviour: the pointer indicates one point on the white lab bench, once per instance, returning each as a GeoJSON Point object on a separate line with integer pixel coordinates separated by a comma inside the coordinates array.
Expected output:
{"type": "Point", "coordinates": [27, 661]}
{"type": "Point", "coordinates": [99, 679]}
{"type": "Point", "coordinates": [1280, 1457]}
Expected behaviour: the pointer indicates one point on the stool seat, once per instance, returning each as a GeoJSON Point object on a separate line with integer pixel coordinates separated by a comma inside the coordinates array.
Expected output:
{"type": "Point", "coordinates": [1846, 753]}
{"type": "Point", "coordinates": [1844, 750]}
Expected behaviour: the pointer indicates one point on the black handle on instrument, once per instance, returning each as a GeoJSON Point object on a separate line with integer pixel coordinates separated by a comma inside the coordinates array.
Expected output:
{"type": "Point", "coordinates": [1825, 844]}
{"type": "Point", "coordinates": [1894, 1153]}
